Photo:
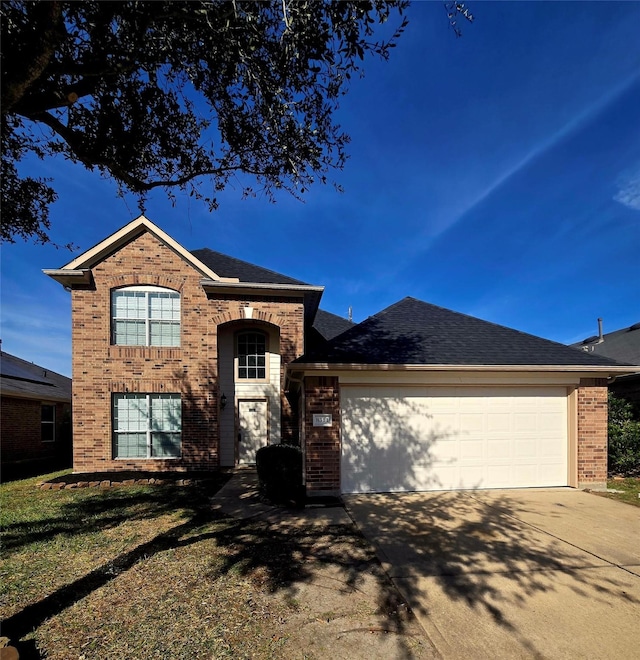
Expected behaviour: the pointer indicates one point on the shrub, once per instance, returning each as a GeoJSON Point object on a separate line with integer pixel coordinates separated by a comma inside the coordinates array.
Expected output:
{"type": "Point", "coordinates": [624, 438]}
{"type": "Point", "coordinates": [279, 470]}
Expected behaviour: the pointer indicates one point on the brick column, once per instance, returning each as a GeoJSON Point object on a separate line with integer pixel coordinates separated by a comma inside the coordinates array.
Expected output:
{"type": "Point", "coordinates": [322, 465]}
{"type": "Point", "coordinates": [592, 433]}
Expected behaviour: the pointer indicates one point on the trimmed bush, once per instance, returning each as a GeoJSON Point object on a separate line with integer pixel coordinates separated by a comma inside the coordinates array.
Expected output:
{"type": "Point", "coordinates": [279, 470]}
{"type": "Point", "coordinates": [624, 438]}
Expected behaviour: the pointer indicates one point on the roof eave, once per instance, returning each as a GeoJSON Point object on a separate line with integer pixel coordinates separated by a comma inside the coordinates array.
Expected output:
{"type": "Point", "coordinates": [71, 279]}
{"type": "Point", "coordinates": [596, 371]}
{"type": "Point", "coordinates": [132, 230]}
{"type": "Point", "coordinates": [310, 293]}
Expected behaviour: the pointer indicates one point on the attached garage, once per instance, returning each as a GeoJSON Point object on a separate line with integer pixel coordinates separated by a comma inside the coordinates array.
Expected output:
{"type": "Point", "coordinates": [419, 398]}
{"type": "Point", "coordinates": [442, 438]}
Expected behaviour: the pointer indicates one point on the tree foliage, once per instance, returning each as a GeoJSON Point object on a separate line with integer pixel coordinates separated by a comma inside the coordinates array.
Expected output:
{"type": "Point", "coordinates": [624, 437]}
{"type": "Point", "coordinates": [179, 95]}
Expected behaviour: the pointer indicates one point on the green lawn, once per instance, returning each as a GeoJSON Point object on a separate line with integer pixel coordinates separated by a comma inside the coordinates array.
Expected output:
{"type": "Point", "coordinates": [630, 488]}
{"type": "Point", "coordinates": [151, 572]}
{"type": "Point", "coordinates": [129, 572]}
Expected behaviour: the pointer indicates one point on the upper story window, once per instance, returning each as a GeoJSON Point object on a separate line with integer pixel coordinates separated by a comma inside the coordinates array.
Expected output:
{"type": "Point", "coordinates": [145, 316]}
{"type": "Point", "coordinates": [252, 349]}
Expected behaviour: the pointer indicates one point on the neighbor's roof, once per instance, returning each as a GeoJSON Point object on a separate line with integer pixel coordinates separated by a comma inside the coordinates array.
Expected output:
{"type": "Point", "coordinates": [621, 345]}
{"type": "Point", "coordinates": [26, 380]}
{"type": "Point", "coordinates": [226, 266]}
{"type": "Point", "coordinates": [412, 332]}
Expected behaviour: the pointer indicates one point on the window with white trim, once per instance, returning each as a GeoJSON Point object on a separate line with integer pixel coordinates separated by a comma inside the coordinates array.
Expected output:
{"type": "Point", "coordinates": [48, 422]}
{"type": "Point", "coordinates": [145, 316]}
{"type": "Point", "coordinates": [147, 425]}
{"type": "Point", "coordinates": [252, 355]}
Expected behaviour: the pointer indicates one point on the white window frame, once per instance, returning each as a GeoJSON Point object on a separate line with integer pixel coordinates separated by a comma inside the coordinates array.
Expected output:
{"type": "Point", "coordinates": [147, 318]}
{"type": "Point", "coordinates": [149, 431]}
{"type": "Point", "coordinates": [47, 422]}
{"type": "Point", "coordinates": [245, 379]}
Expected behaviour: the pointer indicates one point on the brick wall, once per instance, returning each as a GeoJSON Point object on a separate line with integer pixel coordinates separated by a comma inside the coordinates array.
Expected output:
{"type": "Point", "coordinates": [592, 432]}
{"type": "Point", "coordinates": [100, 369]}
{"type": "Point", "coordinates": [322, 451]}
{"type": "Point", "coordinates": [21, 431]}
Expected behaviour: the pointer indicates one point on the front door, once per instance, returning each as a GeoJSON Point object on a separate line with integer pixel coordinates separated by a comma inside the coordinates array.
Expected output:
{"type": "Point", "coordinates": [253, 430]}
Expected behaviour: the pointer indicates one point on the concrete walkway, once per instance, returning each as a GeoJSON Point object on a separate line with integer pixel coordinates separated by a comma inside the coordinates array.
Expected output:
{"type": "Point", "coordinates": [341, 604]}
{"type": "Point", "coordinates": [240, 498]}
{"type": "Point", "coordinates": [540, 573]}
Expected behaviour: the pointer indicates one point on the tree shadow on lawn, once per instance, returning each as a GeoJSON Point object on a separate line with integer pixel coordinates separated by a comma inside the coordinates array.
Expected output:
{"type": "Point", "coordinates": [276, 559]}
{"type": "Point", "coordinates": [95, 510]}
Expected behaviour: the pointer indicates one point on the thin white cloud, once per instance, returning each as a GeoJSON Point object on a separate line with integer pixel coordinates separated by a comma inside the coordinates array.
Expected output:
{"type": "Point", "coordinates": [629, 189]}
{"type": "Point", "coordinates": [630, 193]}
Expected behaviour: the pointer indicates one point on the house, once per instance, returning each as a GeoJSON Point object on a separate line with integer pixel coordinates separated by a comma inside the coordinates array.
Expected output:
{"type": "Point", "coordinates": [624, 346]}
{"type": "Point", "coordinates": [193, 360]}
{"type": "Point", "coordinates": [36, 416]}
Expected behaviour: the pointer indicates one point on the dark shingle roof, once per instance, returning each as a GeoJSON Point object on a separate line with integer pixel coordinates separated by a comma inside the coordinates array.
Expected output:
{"type": "Point", "coordinates": [226, 266]}
{"type": "Point", "coordinates": [331, 325]}
{"type": "Point", "coordinates": [24, 379]}
{"type": "Point", "coordinates": [415, 332]}
{"type": "Point", "coordinates": [621, 345]}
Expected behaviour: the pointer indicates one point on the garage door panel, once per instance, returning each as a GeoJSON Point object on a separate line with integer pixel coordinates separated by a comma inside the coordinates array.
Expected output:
{"type": "Point", "coordinates": [429, 438]}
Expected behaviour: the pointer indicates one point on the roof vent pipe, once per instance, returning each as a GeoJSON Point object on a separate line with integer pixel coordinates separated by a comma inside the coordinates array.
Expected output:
{"type": "Point", "coordinates": [600, 335]}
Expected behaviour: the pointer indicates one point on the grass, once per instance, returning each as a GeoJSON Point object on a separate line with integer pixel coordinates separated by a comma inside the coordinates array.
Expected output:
{"type": "Point", "coordinates": [629, 487]}
{"type": "Point", "coordinates": [152, 572]}
{"type": "Point", "coordinates": [123, 573]}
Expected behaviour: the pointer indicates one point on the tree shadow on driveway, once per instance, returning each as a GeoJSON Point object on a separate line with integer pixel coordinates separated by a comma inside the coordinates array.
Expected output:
{"type": "Point", "coordinates": [468, 561]}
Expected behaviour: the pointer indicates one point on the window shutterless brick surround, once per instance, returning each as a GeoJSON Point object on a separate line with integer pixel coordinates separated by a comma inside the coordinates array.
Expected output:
{"type": "Point", "coordinates": [101, 369]}
{"type": "Point", "coordinates": [592, 432]}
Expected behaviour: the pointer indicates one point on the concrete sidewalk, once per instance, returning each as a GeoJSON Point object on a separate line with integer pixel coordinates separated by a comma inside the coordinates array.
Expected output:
{"type": "Point", "coordinates": [341, 603]}
{"type": "Point", "coordinates": [539, 573]}
{"type": "Point", "coordinates": [240, 498]}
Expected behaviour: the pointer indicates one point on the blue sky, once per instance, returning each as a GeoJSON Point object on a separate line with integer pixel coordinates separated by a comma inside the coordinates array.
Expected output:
{"type": "Point", "coordinates": [497, 175]}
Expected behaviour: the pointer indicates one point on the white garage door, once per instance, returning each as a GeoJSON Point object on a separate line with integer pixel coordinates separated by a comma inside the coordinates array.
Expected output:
{"type": "Point", "coordinates": [437, 438]}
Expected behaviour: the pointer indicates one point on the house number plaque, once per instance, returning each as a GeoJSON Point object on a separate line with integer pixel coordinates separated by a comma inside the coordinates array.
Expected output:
{"type": "Point", "coordinates": [322, 420]}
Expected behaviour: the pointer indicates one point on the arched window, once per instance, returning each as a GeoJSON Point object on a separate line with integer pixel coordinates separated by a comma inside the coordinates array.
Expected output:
{"type": "Point", "coordinates": [252, 350]}
{"type": "Point", "coordinates": [145, 316]}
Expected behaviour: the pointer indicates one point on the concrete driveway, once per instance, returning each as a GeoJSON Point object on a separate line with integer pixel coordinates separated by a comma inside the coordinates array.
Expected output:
{"type": "Point", "coordinates": [540, 573]}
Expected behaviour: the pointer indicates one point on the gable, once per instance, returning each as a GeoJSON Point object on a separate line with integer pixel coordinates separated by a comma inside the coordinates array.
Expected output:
{"type": "Point", "coordinates": [78, 271]}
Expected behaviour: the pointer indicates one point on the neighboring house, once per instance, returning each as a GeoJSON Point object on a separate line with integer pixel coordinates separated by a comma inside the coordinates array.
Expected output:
{"type": "Point", "coordinates": [35, 414]}
{"type": "Point", "coordinates": [621, 345]}
{"type": "Point", "coordinates": [193, 360]}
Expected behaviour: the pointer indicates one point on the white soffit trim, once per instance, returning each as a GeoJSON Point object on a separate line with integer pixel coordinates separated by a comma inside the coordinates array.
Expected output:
{"type": "Point", "coordinates": [97, 252]}
{"type": "Point", "coordinates": [586, 371]}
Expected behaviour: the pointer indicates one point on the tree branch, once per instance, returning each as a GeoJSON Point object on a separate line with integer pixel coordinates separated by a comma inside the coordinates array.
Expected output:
{"type": "Point", "coordinates": [47, 24]}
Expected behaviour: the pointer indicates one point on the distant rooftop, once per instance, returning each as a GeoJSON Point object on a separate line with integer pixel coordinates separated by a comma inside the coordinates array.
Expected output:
{"type": "Point", "coordinates": [27, 380]}
{"type": "Point", "coordinates": [621, 345]}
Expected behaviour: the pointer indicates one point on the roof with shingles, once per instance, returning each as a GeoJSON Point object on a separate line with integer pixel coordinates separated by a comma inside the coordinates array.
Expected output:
{"type": "Point", "coordinates": [621, 345]}
{"type": "Point", "coordinates": [415, 332]}
{"type": "Point", "coordinates": [23, 379]}
{"type": "Point", "coordinates": [331, 325]}
{"type": "Point", "coordinates": [226, 266]}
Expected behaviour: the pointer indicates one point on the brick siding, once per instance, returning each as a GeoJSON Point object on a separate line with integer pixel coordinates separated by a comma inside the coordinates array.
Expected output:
{"type": "Point", "coordinates": [101, 369]}
{"type": "Point", "coordinates": [322, 455]}
{"type": "Point", "coordinates": [592, 432]}
{"type": "Point", "coordinates": [22, 431]}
